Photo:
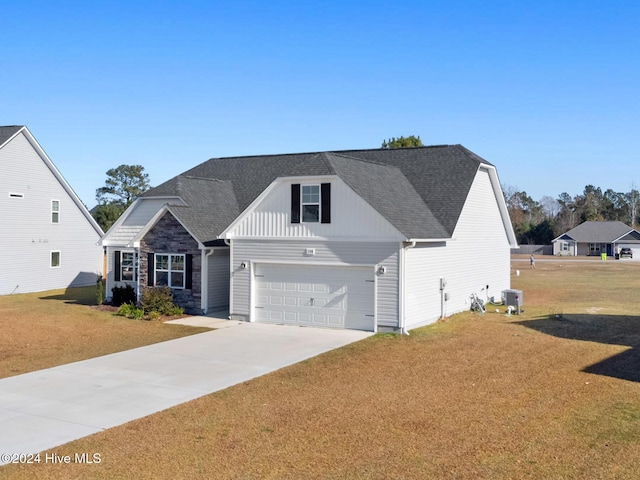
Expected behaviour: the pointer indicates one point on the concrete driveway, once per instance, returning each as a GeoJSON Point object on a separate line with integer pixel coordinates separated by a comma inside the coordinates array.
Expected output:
{"type": "Point", "coordinates": [47, 408]}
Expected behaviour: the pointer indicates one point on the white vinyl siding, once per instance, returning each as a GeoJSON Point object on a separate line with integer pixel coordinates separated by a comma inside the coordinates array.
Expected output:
{"type": "Point", "coordinates": [352, 218]}
{"type": "Point", "coordinates": [478, 256]}
{"type": "Point", "coordinates": [28, 234]}
{"type": "Point", "coordinates": [324, 254]}
{"type": "Point", "coordinates": [218, 279]}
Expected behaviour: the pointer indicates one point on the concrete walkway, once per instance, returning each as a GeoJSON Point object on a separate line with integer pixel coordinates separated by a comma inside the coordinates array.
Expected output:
{"type": "Point", "coordinates": [47, 408]}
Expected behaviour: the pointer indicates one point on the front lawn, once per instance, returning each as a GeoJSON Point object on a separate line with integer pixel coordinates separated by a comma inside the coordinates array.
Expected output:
{"type": "Point", "coordinates": [543, 395]}
{"type": "Point", "coordinates": [41, 330]}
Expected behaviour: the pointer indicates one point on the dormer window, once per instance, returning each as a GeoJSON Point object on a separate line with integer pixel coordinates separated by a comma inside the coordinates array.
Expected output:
{"type": "Point", "coordinates": [311, 203]}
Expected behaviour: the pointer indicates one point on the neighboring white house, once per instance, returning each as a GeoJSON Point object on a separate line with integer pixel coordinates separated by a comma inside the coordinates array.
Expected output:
{"type": "Point", "coordinates": [366, 239]}
{"type": "Point", "coordinates": [48, 239]}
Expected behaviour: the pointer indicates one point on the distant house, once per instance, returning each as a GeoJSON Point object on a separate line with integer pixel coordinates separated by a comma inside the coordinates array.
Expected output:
{"type": "Point", "coordinates": [48, 239]}
{"type": "Point", "coordinates": [595, 238]}
{"type": "Point", "coordinates": [363, 239]}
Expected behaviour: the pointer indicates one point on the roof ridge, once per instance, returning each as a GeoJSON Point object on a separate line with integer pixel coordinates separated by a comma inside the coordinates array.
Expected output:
{"type": "Point", "coordinates": [318, 152]}
{"type": "Point", "coordinates": [363, 160]}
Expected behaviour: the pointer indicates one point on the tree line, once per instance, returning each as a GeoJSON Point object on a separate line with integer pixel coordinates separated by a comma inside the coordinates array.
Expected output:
{"type": "Point", "coordinates": [539, 222]}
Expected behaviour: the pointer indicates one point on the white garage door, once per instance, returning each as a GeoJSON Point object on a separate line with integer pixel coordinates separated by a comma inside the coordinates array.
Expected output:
{"type": "Point", "coordinates": [338, 297]}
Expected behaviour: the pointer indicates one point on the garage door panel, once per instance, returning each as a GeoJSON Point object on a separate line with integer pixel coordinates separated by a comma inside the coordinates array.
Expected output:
{"type": "Point", "coordinates": [341, 297]}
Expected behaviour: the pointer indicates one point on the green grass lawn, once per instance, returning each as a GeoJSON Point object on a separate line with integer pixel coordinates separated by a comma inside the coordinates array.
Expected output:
{"type": "Point", "coordinates": [549, 394]}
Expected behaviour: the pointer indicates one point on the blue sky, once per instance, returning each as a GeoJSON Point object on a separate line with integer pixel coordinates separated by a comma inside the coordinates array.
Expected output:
{"type": "Point", "coordinates": [548, 91]}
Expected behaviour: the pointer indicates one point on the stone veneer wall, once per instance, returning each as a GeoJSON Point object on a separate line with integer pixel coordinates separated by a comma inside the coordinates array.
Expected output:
{"type": "Point", "coordinates": [168, 236]}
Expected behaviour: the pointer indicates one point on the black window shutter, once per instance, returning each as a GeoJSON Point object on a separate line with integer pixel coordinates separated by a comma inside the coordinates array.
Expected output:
{"type": "Point", "coordinates": [295, 203]}
{"type": "Point", "coordinates": [116, 265]}
{"type": "Point", "coordinates": [150, 269]}
{"type": "Point", "coordinates": [188, 271]}
{"type": "Point", "coordinates": [325, 202]}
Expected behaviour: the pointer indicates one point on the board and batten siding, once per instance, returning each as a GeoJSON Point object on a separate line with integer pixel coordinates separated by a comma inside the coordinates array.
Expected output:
{"type": "Point", "coordinates": [28, 236]}
{"type": "Point", "coordinates": [477, 256]}
{"type": "Point", "coordinates": [351, 216]}
{"type": "Point", "coordinates": [325, 253]}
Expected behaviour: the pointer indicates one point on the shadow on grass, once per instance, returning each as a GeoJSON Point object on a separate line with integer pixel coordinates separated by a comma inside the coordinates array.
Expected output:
{"type": "Point", "coordinates": [609, 329]}
{"type": "Point", "coordinates": [75, 296]}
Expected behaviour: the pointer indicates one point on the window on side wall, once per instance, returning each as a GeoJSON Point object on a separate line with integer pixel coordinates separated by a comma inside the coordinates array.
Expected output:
{"type": "Point", "coordinates": [170, 270]}
{"type": "Point", "coordinates": [55, 211]}
{"type": "Point", "coordinates": [55, 259]}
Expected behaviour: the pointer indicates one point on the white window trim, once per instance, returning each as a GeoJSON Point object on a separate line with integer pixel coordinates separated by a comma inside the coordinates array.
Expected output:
{"type": "Point", "coordinates": [303, 203]}
{"type": "Point", "coordinates": [135, 265]}
{"type": "Point", "coordinates": [51, 265]}
{"type": "Point", "coordinates": [169, 270]}
{"type": "Point", "coordinates": [53, 212]}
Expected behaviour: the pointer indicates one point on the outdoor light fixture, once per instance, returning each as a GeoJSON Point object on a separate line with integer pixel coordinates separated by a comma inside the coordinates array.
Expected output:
{"type": "Point", "coordinates": [382, 270]}
{"type": "Point", "coordinates": [243, 265]}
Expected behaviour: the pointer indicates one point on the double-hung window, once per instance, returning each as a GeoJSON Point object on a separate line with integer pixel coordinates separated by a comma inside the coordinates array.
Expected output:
{"type": "Point", "coordinates": [128, 267]}
{"type": "Point", "coordinates": [310, 202]}
{"type": "Point", "coordinates": [170, 270]}
{"type": "Point", "coordinates": [55, 211]}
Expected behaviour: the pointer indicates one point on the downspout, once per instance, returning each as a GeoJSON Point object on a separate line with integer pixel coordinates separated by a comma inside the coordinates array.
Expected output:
{"type": "Point", "coordinates": [403, 326]}
{"type": "Point", "coordinates": [227, 242]}
{"type": "Point", "coordinates": [137, 254]}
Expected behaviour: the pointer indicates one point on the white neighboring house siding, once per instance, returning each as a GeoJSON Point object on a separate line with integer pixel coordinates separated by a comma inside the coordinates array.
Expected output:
{"type": "Point", "coordinates": [357, 235]}
{"type": "Point", "coordinates": [477, 256]}
{"type": "Point", "coordinates": [29, 236]}
{"type": "Point", "coordinates": [120, 236]}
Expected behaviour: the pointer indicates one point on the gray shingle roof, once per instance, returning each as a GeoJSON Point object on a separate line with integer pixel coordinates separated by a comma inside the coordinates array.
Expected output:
{"type": "Point", "coordinates": [421, 191]}
{"type": "Point", "coordinates": [7, 132]}
{"type": "Point", "coordinates": [598, 232]}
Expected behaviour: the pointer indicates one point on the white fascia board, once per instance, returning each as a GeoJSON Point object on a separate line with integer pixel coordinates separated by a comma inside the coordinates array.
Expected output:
{"type": "Point", "coordinates": [56, 173]}
{"type": "Point", "coordinates": [135, 242]}
{"type": "Point", "coordinates": [319, 239]}
{"type": "Point", "coordinates": [428, 240]}
{"type": "Point", "coordinates": [265, 193]}
{"type": "Point", "coordinates": [617, 239]}
{"type": "Point", "coordinates": [121, 219]}
{"type": "Point", "coordinates": [502, 204]}
{"type": "Point", "coordinates": [105, 238]}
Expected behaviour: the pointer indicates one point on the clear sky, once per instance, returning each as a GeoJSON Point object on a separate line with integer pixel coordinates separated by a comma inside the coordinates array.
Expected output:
{"type": "Point", "coordinates": [548, 91]}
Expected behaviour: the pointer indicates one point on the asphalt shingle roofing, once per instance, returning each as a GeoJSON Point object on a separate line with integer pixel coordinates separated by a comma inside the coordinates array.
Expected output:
{"type": "Point", "coordinates": [421, 191]}
{"type": "Point", "coordinates": [7, 132]}
{"type": "Point", "coordinates": [598, 232]}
